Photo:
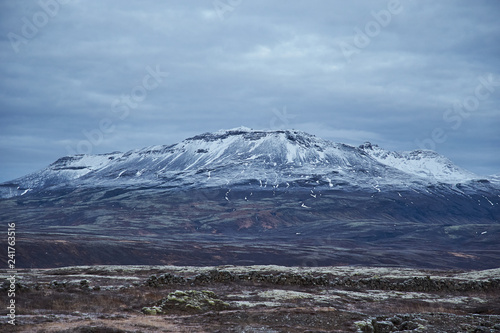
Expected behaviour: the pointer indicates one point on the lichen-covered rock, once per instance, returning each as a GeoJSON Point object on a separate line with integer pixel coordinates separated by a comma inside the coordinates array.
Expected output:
{"type": "Point", "coordinates": [364, 326]}
{"type": "Point", "coordinates": [165, 279]}
{"type": "Point", "coordinates": [58, 284]}
{"type": "Point", "coordinates": [84, 285]}
{"type": "Point", "coordinates": [408, 325]}
{"type": "Point", "coordinates": [395, 320]}
{"type": "Point", "coordinates": [191, 301]}
{"type": "Point", "coordinates": [383, 326]}
{"type": "Point", "coordinates": [153, 310]}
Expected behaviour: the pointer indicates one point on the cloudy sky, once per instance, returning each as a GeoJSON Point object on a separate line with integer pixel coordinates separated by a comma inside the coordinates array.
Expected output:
{"type": "Point", "coordinates": [100, 76]}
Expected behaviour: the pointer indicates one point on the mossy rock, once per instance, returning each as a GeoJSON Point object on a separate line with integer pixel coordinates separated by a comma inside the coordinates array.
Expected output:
{"type": "Point", "coordinates": [364, 326]}
{"type": "Point", "coordinates": [191, 301]}
{"type": "Point", "coordinates": [154, 310]}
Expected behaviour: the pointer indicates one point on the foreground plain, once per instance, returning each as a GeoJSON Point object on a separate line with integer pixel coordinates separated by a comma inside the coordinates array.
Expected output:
{"type": "Point", "coordinates": [254, 299]}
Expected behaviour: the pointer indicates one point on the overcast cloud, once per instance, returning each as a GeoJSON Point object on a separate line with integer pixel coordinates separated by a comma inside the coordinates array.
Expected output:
{"type": "Point", "coordinates": [91, 76]}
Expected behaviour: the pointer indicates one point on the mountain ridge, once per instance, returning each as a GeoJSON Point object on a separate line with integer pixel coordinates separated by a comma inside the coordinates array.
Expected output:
{"type": "Point", "coordinates": [226, 157]}
{"type": "Point", "coordinates": [245, 196]}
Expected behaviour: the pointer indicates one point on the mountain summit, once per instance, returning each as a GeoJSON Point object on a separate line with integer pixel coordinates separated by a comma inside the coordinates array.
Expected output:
{"type": "Point", "coordinates": [235, 157]}
{"type": "Point", "coordinates": [245, 197]}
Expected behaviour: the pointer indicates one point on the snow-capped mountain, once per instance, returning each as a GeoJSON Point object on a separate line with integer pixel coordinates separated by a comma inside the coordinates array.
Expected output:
{"type": "Point", "coordinates": [243, 156]}
{"type": "Point", "coordinates": [245, 196]}
{"type": "Point", "coordinates": [423, 163]}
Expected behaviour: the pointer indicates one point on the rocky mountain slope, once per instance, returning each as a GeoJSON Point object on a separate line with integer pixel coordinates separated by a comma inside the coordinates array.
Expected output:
{"type": "Point", "coordinates": [241, 156]}
{"type": "Point", "coordinates": [244, 196]}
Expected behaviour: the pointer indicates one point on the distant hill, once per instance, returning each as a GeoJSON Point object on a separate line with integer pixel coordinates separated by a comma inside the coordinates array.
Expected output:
{"type": "Point", "coordinates": [245, 196]}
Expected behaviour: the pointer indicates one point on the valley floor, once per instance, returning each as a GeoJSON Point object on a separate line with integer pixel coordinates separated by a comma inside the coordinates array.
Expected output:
{"type": "Point", "coordinates": [253, 299]}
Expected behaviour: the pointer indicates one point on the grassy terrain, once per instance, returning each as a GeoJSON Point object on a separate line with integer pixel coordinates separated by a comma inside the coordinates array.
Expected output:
{"type": "Point", "coordinates": [256, 299]}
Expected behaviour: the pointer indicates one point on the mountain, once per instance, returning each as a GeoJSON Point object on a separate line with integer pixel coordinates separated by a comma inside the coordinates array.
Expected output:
{"type": "Point", "coordinates": [244, 156]}
{"type": "Point", "coordinates": [245, 196]}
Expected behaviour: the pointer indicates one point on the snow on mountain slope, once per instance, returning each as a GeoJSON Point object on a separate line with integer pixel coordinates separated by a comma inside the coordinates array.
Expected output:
{"type": "Point", "coordinates": [63, 171]}
{"type": "Point", "coordinates": [495, 178]}
{"type": "Point", "coordinates": [424, 163]}
{"type": "Point", "coordinates": [243, 156]}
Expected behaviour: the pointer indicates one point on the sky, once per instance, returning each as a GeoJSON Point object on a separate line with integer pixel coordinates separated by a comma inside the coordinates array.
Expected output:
{"type": "Point", "coordinates": [94, 76]}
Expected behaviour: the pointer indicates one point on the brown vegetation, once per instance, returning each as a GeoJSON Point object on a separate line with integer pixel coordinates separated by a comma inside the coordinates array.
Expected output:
{"type": "Point", "coordinates": [256, 299]}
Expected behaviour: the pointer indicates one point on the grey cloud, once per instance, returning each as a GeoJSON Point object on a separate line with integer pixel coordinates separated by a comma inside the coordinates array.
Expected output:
{"type": "Point", "coordinates": [226, 73]}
